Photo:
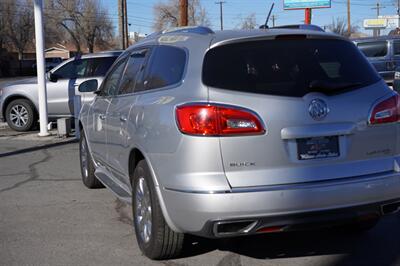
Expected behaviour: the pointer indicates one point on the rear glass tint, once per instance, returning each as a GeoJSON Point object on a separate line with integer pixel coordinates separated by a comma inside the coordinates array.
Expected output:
{"type": "Point", "coordinates": [288, 67]}
{"type": "Point", "coordinates": [374, 49]}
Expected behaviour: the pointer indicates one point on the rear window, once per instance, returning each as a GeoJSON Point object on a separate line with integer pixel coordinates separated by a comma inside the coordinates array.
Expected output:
{"type": "Point", "coordinates": [288, 67]}
{"type": "Point", "coordinates": [374, 49]}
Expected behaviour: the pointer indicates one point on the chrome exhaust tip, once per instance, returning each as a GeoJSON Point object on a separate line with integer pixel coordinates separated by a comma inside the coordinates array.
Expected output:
{"type": "Point", "coordinates": [390, 208]}
{"type": "Point", "coordinates": [233, 228]}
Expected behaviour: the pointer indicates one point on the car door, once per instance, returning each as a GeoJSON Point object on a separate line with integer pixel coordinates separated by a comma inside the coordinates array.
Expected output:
{"type": "Point", "coordinates": [119, 116]}
{"type": "Point", "coordinates": [96, 69]}
{"type": "Point", "coordinates": [63, 87]}
{"type": "Point", "coordinates": [62, 90]}
{"type": "Point", "coordinates": [396, 55]}
{"type": "Point", "coordinates": [98, 112]}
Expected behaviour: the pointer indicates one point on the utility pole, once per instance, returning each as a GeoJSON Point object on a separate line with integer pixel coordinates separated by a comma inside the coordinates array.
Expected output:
{"type": "Point", "coordinates": [398, 13]}
{"type": "Point", "coordinates": [274, 18]}
{"type": "Point", "coordinates": [349, 18]}
{"type": "Point", "coordinates": [121, 26]}
{"type": "Point", "coordinates": [221, 15]}
{"type": "Point", "coordinates": [183, 13]}
{"type": "Point", "coordinates": [126, 24]}
{"type": "Point", "coordinates": [378, 7]}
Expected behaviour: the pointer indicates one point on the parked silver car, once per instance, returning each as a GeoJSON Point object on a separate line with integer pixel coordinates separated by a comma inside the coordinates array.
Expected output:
{"type": "Point", "coordinates": [51, 62]}
{"type": "Point", "coordinates": [19, 101]}
{"type": "Point", "coordinates": [242, 132]}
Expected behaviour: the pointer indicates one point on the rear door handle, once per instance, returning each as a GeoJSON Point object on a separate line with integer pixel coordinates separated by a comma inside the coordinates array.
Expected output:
{"type": "Point", "coordinates": [123, 118]}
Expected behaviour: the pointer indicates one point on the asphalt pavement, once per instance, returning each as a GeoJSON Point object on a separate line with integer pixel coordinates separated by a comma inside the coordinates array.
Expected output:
{"type": "Point", "coordinates": [47, 217]}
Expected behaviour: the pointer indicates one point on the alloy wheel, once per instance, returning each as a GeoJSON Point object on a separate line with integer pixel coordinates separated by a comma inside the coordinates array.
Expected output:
{"type": "Point", "coordinates": [143, 210]}
{"type": "Point", "coordinates": [19, 115]}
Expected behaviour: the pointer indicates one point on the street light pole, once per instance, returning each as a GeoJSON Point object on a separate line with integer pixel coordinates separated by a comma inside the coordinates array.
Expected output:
{"type": "Point", "coordinates": [40, 63]}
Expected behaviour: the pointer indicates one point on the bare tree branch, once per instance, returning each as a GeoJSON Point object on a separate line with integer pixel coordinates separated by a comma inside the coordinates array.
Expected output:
{"type": "Point", "coordinates": [167, 14]}
{"type": "Point", "coordinates": [339, 26]}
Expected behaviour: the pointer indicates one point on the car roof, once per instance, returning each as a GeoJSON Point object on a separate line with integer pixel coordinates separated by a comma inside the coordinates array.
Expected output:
{"type": "Point", "coordinates": [232, 35]}
{"type": "Point", "coordinates": [181, 37]}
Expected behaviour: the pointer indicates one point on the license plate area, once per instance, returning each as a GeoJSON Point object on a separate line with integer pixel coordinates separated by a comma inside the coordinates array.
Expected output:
{"type": "Point", "coordinates": [318, 148]}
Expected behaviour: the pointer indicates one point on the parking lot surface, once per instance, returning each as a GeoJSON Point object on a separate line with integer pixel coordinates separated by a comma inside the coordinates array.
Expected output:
{"type": "Point", "coordinates": [47, 217]}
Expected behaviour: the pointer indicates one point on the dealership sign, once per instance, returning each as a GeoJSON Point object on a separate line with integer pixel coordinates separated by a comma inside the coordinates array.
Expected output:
{"type": "Point", "coordinates": [392, 21]}
{"type": "Point", "coordinates": [376, 23]}
{"type": "Point", "coordinates": [303, 4]}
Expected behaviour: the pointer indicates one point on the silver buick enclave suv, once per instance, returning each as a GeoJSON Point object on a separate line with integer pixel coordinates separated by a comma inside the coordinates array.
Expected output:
{"type": "Point", "coordinates": [230, 133]}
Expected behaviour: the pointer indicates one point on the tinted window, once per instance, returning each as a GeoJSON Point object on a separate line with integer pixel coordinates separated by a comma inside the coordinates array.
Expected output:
{"type": "Point", "coordinates": [73, 70]}
{"type": "Point", "coordinates": [111, 83]}
{"type": "Point", "coordinates": [166, 67]}
{"type": "Point", "coordinates": [288, 67]}
{"type": "Point", "coordinates": [133, 67]}
{"type": "Point", "coordinates": [373, 49]}
{"type": "Point", "coordinates": [396, 48]}
{"type": "Point", "coordinates": [99, 66]}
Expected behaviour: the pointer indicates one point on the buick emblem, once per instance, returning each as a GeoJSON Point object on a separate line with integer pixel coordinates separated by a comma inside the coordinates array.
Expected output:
{"type": "Point", "coordinates": [318, 109]}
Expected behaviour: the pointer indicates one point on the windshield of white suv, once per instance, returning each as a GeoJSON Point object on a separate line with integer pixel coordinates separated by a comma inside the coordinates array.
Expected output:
{"type": "Point", "coordinates": [288, 67]}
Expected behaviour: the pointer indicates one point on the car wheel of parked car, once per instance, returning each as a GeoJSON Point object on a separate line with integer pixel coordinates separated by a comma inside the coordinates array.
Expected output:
{"type": "Point", "coordinates": [21, 115]}
{"type": "Point", "coordinates": [155, 238]}
{"type": "Point", "coordinates": [87, 167]}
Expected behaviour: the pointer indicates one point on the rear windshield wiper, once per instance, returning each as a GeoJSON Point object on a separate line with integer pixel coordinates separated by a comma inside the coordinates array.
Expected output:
{"type": "Point", "coordinates": [331, 87]}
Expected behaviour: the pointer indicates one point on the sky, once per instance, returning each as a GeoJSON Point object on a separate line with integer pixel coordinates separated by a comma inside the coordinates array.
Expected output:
{"type": "Point", "coordinates": [141, 16]}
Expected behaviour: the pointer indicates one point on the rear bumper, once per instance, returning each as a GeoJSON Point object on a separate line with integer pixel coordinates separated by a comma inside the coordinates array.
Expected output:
{"type": "Point", "coordinates": [197, 213]}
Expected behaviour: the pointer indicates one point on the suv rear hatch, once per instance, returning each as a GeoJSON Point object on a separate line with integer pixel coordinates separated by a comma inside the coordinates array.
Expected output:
{"type": "Point", "coordinates": [314, 97]}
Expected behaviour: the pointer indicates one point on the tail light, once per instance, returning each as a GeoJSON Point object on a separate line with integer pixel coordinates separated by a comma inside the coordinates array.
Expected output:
{"type": "Point", "coordinates": [387, 111]}
{"type": "Point", "coordinates": [216, 120]}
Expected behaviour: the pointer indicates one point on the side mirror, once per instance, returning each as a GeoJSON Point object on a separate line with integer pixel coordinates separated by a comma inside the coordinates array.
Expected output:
{"type": "Point", "coordinates": [52, 77]}
{"type": "Point", "coordinates": [396, 81]}
{"type": "Point", "coordinates": [90, 85]}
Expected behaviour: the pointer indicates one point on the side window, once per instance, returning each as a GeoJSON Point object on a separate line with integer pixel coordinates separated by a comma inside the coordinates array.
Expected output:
{"type": "Point", "coordinates": [133, 67]}
{"type": "Point", "coordinates": [110, 84]}
{"type": "Point", "coordinates": [396, 48]}
{"type": "Point", "coordinates": [166, 67]}
{"type": "Point", "coordinates": [374, 49]}
{"type": "Point", "coordinates": [98, 67]}
{"type": "Point", "coordinates": [73, 70]}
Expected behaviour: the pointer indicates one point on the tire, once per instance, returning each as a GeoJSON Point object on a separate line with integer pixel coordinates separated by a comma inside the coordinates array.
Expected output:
{"type": "Point", "coordinates": [160, 241]}
{"type": "Point", "coordinates": [87, 166]}
{"type": "Point", "coordinates": [21, 115]}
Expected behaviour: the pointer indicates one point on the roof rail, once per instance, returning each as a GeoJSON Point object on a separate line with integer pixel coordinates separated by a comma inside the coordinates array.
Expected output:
{"type": "Point", "coordinates": [190, 29]}
{"type": "Point", "coordinates": [300, 27]}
